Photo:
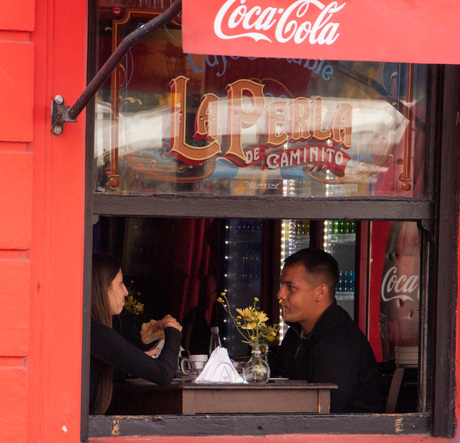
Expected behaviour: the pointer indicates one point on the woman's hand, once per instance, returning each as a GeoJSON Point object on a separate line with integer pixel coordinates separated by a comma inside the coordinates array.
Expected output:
{"type": "Point", "coordinates": [168, 321]}
{"type": "Point", "coordinates": [152, 352]}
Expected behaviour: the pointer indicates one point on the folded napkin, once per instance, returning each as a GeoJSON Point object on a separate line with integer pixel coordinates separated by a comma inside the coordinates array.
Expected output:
{"type": "Point", "coordinates": [219, 369]}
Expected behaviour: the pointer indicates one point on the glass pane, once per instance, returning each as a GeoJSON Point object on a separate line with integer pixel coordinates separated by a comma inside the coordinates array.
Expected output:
{"type": "Point", "coordinates": [175, 123]}
{"type": "Point", "coordinates": [340, 242]}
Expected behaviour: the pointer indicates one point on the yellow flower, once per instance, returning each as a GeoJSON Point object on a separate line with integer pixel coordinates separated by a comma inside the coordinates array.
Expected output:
{"type": "Point", "coordinates": [246, 313]}
{"type": "Point", "coordinates": [261, 317]}
{"type": "Point", "coordinates": [251, 323]}
{"type": "Point", "coordinates": [131, 302]}
{"type": "Point", "coordinates": [268, 333]}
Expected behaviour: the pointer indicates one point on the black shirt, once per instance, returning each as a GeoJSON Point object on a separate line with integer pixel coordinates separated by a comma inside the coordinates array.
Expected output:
{"type": "Point", "coordinates": [335, 351]}
{"type": "Point", "coordinates": [109, 347]}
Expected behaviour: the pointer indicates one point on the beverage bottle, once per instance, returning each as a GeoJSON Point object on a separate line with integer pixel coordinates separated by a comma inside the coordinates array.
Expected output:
{"type": "Point", "coordinates": [399, 289]}
{"type": "Point", "coordinates": [352, 281]}
{"type": "Point", "coordinates": [347, 281]}
{"type": "Point", "coordinates": [214, 341]}
{"type": "Point", "coordinates": [336, 227]}
{"type": "Point", "coordinates": [341, 227]}
{"type": "Point", "coordinates": [245, 264]}
{"type": "Point", "coordinates": [342, 282]}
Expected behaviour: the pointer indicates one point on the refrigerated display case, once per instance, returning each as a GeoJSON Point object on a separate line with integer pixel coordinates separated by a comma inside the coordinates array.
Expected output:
{"type": "Point", "coordinates": [340, 242]}
{"type": "Point", "coordinates": [242, 274]}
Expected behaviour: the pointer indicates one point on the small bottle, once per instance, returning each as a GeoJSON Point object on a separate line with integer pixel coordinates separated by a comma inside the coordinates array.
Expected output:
{"type": "Point", "coordinates": [214, 341]}
{"type": "Point", "coordinates": [336, 229]}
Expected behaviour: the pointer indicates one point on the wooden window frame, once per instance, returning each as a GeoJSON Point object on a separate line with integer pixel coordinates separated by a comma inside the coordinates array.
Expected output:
{"type": "Point", "coordinates": [437, 214]}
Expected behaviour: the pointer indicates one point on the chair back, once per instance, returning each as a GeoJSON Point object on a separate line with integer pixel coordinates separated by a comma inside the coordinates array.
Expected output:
{"type": "Point", "coordinates": [393, 393]}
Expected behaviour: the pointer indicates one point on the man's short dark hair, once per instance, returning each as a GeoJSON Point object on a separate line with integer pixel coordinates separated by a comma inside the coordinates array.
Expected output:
{"type": "Point", "coordinates": [319, 263]}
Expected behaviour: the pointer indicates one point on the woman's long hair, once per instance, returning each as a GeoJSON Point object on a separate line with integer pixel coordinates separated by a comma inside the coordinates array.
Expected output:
{"type": "Point", "coordinates": [105, 269]}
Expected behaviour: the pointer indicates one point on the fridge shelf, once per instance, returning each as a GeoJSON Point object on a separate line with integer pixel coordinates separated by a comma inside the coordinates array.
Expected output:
{"type": "Point", "coordinates": [340, 238]}
{"type": "Point", "coordinates": [345, 295]}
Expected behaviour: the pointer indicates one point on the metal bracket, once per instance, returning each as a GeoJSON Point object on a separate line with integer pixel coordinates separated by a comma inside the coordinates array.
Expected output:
{"type": "Point", "coordinates": [59, 115]}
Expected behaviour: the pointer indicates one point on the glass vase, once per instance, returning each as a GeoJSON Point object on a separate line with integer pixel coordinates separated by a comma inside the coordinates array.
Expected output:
{"type": "Point", "coordinates": [256, 370]}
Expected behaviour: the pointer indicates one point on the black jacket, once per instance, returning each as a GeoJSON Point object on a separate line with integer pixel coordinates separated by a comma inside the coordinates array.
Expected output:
{"type": "Point", "coordinates": [335, 351]}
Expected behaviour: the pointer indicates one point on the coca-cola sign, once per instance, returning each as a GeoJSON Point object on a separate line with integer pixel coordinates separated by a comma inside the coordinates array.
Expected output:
{"type": "Point", "coordinates": [303, 21]}
{"type": "Point", "coordinates": [402, 287]}
{"type": "Point", "coordinates": [399, 289]}
{"type": "Point", "coordinates": [392, 30]}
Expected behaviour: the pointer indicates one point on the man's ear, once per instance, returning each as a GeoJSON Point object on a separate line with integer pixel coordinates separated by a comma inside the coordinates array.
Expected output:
{"type": "Point", "coordinates": [322, 292]}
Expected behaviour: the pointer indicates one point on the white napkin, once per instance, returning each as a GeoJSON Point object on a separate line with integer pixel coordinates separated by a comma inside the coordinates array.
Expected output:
{"type": "Point", "coordinates": [219, 369]}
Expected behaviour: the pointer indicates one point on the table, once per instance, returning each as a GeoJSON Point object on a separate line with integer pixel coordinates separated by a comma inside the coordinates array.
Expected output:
{"type": "Point", "coordinates": [140, 397]}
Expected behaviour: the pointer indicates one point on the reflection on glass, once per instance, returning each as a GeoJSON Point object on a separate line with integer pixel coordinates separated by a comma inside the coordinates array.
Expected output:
{"type": "Point", "coordinates": [175, 123]}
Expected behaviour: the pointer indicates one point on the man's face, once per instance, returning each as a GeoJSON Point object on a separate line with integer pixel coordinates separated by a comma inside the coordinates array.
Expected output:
{"type": "Point", "coordinates": [298, 295]}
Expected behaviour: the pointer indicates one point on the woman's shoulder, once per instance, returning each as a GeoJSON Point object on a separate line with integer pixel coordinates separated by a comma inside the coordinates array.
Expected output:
{"type": "Point", "coordinates": [98, 326]}
{"type": "Point", "coordinates": [100, 331]}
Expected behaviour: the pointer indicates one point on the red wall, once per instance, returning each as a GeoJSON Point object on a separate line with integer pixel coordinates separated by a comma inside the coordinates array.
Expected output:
{"type": "Point", "coordinates": [43, 53]}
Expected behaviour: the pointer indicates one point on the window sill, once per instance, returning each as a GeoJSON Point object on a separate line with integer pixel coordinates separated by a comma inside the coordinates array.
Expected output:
{"type": "Point", "coordinates": [201, 425]}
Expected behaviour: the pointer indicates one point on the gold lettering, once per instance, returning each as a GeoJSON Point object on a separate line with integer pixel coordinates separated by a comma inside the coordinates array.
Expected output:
{"type": "Point", "coordinates": [238, 93]}
{"type": "Point", "coordinates": [180, 149]}
{"type": "Point", "coordinates": [207, 118]}
{"type": "Point", "coordinates": [276, 135]}
{"type": "Point", "coordinates": [319, 133]}
{"type": "Point", "coordinates": [300, 112]}
{"type": "Point", "coordinates": [341, 125]}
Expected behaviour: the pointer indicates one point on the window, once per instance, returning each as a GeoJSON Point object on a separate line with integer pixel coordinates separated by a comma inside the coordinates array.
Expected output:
{"type": "Point", "coordinates": [271, 140]}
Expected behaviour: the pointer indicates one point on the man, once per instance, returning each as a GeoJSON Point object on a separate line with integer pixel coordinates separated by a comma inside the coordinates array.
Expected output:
{"type": "Point", "coordinates": [323, 344]}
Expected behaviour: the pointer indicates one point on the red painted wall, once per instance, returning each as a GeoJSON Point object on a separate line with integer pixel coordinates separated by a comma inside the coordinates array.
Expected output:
{"type": "Point", "coordinates": [43, 53]}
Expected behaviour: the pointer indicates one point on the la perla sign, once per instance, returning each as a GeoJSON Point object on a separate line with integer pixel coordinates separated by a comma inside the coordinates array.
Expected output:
{"type": "Point", "coordinates": [303, 20]}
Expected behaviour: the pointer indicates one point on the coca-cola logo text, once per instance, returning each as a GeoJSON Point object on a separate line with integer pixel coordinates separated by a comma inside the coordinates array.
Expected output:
{"type": "Point", "coordinates": [398, 287]}
{"type": "Point", "coordinates": [303, 20]}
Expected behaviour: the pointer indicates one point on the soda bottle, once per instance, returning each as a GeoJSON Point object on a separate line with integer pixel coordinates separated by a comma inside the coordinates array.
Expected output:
{"type": "Point", "coordinates": [352, 281]}
{"type": "Point", "coordinates": [399, 289]}
{"type": "Point", "coordinates": [336, 227]}
{"type": "Point", "coordinates": [214, 341]}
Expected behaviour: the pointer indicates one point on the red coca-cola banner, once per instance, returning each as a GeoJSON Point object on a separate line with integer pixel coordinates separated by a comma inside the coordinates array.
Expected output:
{"type": "Point", "coordinates": [391, 30]}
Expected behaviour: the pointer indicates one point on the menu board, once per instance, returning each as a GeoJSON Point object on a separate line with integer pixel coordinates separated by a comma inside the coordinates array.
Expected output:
{"type": "Point", "coordinates": [175, 123]}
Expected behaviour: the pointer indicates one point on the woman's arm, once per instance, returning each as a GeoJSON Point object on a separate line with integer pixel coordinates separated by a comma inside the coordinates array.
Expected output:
{"type": "Point", "coordinates": [111, 348]}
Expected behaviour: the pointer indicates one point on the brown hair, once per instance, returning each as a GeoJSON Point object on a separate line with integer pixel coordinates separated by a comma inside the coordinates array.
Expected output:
{"type": "Point", "coordinates": [105, 269]}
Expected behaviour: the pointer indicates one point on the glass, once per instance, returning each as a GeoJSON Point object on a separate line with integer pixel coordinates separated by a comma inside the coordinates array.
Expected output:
{"type": "Point", "coordinates": [256, 370]}
{"type": "Point", "coordinates": [242, 273]}
{"type": "Point", "coordinates": [175, 123]}
{"type": "Point", "coordinates": [340, 242]}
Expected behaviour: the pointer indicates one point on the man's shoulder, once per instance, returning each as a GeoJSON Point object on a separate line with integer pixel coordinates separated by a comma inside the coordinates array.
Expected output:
{"type": "Point", "coordinates": [338, 328]}
{"type": "Point", "coordinates": [293, 334]}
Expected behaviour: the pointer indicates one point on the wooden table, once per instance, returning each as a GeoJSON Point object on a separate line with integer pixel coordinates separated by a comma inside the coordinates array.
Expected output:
{"type": "Point", "coordinates": [139, 397]}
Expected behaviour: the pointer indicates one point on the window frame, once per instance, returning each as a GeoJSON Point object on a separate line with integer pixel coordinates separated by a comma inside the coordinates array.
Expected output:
{"type": "Point", "coordinates": [438, 331]}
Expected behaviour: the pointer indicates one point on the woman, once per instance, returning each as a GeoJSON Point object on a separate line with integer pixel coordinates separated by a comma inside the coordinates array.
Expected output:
{"type": "Point", "coordinates": [110, 350]}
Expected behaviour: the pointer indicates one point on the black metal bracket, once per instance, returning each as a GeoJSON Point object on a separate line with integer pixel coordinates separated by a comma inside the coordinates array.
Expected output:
{"type": "Point", "coordinates": [61, 113]}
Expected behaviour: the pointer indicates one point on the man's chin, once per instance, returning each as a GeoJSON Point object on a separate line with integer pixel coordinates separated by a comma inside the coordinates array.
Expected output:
{"type": "Point", "coordinates": [292, 318]}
